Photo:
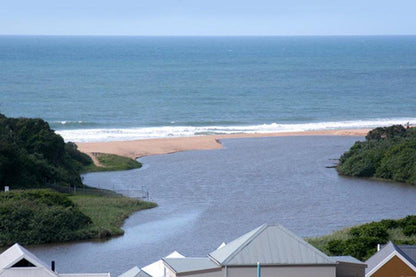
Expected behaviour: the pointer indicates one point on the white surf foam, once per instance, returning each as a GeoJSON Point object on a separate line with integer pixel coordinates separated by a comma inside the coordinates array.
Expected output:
{"type": "Point", "coordinates": [114, 134]}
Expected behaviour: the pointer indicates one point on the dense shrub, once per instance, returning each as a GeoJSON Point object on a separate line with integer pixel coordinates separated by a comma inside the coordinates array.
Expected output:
{"type": "Point", "coordinates": [388, 153]}
{"type": "Point", "coordinates": [39, 216]}
{"type": "Point", "coordinates": [362, 240]}
{"type": "Point", "coordinates": [32, 155]}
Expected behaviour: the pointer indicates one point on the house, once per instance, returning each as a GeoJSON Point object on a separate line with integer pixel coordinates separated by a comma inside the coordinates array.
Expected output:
{"type": "Point", "coordinates": [392, 260]}
{"type": "Point", "coordinates": [19, 262]}
{"type": "Point", "coordinates": [156, 269]}
{"type": "Point", "coordinates": [278, 251]}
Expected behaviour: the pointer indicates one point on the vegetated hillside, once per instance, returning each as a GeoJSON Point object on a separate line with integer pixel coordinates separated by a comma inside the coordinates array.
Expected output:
{"type": "Point", "coordinates": [32, 155]}
{"type": "Point", "coordinates": [361, 241]}
{"type": "Point", "coordinates": [40, 216]}
{"type": "Point", "coordinates": [387, 153]}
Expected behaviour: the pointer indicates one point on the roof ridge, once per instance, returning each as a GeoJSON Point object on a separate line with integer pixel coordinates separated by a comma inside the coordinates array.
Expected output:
{"type": "Point", "coordinates": [397, 248]}
{"type": "Point", "coordinates": [261, 228]}
{"type": "Point", "coordinates": [299, 239]}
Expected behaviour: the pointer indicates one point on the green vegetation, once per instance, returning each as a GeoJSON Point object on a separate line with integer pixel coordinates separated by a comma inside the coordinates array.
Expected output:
{"type": "Point", "coordinates": [39, 216]}
{"type": "Point", "coordinates": [111, 162]}
{"type": "Point", "coordinates": [36, 216]}
{"type": "Point", "coordinates": [33, 156]}
{"type": "Point", "coordinates": [108, 212]}
{"type": "Point", "coordinates": [387, 153]}
{"type": "Point", "coordinates": [361, 241]}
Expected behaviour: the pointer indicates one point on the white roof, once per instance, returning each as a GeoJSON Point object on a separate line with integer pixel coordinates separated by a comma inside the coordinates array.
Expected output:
{"type": "Point", "coordinates": [221, 245]}
{"type": "Point", "coordinates": [157, 269]}
{"type": "Point", "coordinates": [269, 244]}
{"type": "Point", "coordinates": [135, 272]}
{"type": "Point", "coordinates": [16, 253]}
{"type": "Point", "coordinates": [84, 275]}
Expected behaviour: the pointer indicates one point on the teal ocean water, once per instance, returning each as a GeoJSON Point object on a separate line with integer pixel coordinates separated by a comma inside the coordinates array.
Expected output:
{"type": "Point", "coordinates": [121, 88]}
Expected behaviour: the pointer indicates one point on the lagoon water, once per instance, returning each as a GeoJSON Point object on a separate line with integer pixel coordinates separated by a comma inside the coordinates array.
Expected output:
{"type": "Point", "coordinates": [207, 197]}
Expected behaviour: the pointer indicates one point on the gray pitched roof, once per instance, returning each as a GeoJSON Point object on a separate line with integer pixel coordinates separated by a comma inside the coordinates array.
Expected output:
{"type": "Point", "coordinates": [269, 244]}
{"type": "Point", "coordinates": [132, 272]}
{"type": "Point", "coordinates": [135, 272]}
{"type": "Point", "coordinates": [346, 259]}
{"type": "Point", "coordinates": [384, 252]}
{"type": "Point", "coordinates": [181, 265]}
{"type": "Point", "coordinates": [409, 250]}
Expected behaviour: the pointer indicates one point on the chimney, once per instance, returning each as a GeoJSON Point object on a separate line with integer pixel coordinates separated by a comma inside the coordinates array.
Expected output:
{"type": "Point", "coordinates": [378, 247]}
{"type": "Point", "coordinates": [53, 266]}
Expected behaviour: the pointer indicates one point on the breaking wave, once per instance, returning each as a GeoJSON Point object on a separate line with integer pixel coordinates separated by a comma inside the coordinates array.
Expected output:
{"type": "Point", "coordinates": [121, 134]}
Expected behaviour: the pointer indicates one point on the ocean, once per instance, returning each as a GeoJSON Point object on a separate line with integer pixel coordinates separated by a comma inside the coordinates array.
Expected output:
{"type": "Point", "coordinates": [123, 88]}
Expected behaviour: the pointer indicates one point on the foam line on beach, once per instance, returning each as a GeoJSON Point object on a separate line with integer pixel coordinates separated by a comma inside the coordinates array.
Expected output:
{"type": "Point", "coordinates": [124, 134]}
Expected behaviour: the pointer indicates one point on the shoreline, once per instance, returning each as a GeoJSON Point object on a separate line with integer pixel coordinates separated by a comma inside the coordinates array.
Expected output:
{"type": "Point", "coordinates": [135, 149]}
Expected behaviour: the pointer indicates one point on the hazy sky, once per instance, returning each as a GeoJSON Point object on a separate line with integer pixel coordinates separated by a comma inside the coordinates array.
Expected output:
{"type": "Point", "coordinates": [208, 17]}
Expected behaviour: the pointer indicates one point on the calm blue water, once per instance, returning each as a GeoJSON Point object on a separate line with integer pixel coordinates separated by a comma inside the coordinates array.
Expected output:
{"type": "Point", "coordinates": [106, 88]}
{"type": "Point", "coordinates": [207, 197]}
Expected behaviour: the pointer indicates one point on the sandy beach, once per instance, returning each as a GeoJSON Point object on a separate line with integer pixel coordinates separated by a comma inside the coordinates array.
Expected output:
{"type": "Point", "coordinates": [138, 148]}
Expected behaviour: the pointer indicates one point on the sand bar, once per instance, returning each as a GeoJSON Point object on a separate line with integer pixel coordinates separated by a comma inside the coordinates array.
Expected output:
{"type": "Point", "coordinates": [146, 147]}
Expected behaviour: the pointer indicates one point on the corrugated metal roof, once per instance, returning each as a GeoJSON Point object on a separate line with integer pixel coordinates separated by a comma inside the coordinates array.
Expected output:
{"type": "Point", "coordinates": [181, 265]}
{"type": "Point", "coordinates": [386, 251]}
{"type": "Point", "coordinates": [269, 244]}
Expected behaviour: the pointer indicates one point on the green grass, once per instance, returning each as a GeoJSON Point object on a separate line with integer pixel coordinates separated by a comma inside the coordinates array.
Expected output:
{"type": "Point", "coordinates": [322, 242]}
{"type": "Point", "coordinates": [108, 211]}
{"type": "Point", "coordinates": [111, 162]}
{"type": "Point", "coordinates": [361, 241]}
{"type": "Point", "coordinates": [38, 216]}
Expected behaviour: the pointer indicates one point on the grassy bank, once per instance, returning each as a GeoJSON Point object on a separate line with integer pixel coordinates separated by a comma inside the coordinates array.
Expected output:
{"type": "Point", "coordinates": [107, 211]}
{"type": "Point", "coordinates": [361, 241]}
{"type": "Point", "coordinates": [111, 162]}
{"type": "Point", "coordinates": [37, 216]}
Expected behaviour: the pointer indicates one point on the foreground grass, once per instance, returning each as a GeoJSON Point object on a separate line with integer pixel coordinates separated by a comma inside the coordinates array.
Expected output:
{"type": "Point", "coordinates": [107, 211]}
{"type": "Point", "coordinates": [111, 162]}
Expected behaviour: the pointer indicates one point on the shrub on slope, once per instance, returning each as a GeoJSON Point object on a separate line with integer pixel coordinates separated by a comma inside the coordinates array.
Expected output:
{"type": "Point", "coordinates": [388, 153]}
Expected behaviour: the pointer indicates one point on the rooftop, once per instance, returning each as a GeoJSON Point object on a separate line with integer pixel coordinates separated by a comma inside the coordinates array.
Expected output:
{"type": "Point", "coordinates": [270, 244]}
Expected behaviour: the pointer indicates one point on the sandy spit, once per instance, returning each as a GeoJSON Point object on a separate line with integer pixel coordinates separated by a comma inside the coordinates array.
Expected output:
{"type": "Point", "coordinates": [145, 147]}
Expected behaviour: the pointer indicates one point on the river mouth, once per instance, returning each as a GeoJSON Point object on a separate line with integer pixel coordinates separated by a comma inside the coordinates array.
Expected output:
{"type": "Point", "coordinates": [207, 197]}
